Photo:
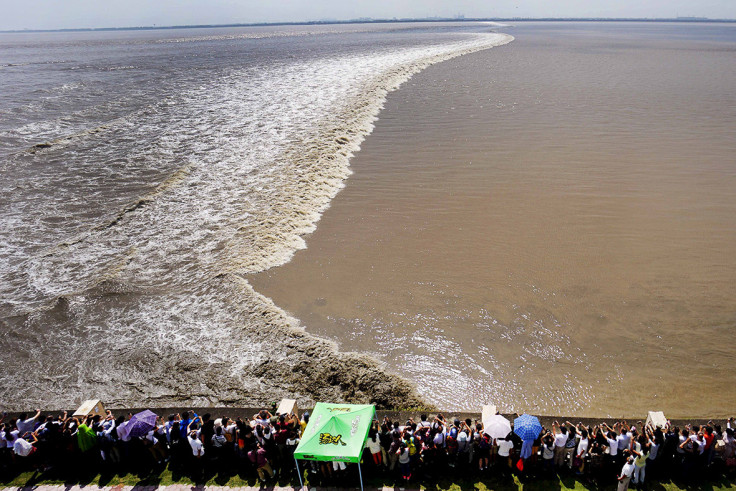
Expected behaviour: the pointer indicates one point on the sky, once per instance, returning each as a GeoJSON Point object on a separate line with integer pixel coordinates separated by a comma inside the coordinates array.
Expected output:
{"type": "Point", "coordinates": [65, 14]}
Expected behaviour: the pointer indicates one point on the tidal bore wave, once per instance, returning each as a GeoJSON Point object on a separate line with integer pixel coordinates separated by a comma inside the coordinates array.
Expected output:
{"type": "Point", "coordinates": [146, 304]}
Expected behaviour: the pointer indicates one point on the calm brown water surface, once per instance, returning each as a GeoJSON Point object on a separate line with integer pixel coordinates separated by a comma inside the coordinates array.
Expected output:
{"type": "Point", "coordinates": [548, 226]}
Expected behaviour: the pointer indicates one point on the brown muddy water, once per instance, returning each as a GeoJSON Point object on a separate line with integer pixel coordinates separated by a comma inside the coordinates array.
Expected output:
{"type": "Point", "coordinates": [549, 226]}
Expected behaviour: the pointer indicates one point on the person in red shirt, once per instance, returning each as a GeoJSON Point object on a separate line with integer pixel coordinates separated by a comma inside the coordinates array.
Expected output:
{"type": "Point", "coordinates": [710, 437]}
{"type": "Point", "coordinates": [281, 434]}
{"type": "Point", "coordinates": [259, 457]}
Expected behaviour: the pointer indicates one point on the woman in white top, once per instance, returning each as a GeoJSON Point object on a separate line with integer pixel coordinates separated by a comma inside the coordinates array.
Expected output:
{"type": "Point", "coordinates": [548, 452]}
{"type": "Point", "coordinates": [374, 446]}
{"type": "Point", "coordinates": [505, 446]}
{"type": "Point", "coordinates": [404, 465]}
{"type": "Point", "coordinates": [262, 433]}
{"type": "Point", "coordinates": [655, 441]}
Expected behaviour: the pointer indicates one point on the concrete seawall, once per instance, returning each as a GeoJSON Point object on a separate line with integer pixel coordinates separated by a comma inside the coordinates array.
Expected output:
{"type": "Point", "coordinates": [401, 416]}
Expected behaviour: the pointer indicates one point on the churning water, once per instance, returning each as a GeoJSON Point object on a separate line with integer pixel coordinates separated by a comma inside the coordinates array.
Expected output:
{"type": "Point", "coordinates": [145, 172]}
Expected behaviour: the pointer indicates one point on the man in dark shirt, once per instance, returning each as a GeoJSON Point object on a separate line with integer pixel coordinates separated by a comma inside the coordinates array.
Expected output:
{"type": "Point", "coordinates": [208, 430]}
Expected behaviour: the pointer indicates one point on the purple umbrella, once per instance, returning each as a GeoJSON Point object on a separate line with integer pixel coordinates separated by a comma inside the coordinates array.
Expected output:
{"type": "Point", "coordinates": [141, 423]}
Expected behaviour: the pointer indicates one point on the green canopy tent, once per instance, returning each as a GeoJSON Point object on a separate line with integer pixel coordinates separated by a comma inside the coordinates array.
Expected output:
{"type": "Point", "coordinates": [335, 433]}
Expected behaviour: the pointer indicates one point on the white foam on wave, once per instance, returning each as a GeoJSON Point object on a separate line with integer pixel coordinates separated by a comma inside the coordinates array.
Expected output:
{"type": "Point", "coordinates": [158, 288]}
{"type": "Point", "coordinates": [268, 152]}
{"type": "Point", "coordinates": [495, 24]}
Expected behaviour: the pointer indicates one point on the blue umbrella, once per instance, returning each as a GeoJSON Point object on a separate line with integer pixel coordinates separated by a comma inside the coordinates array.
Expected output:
{"type": "Point", "coordinates": [141, 423]}
{"type": "Point", "coordinates": [527, 427]}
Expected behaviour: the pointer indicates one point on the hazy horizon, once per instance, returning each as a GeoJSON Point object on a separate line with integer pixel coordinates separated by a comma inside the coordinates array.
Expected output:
{"type": "Point", "coordinates": [86, 14]}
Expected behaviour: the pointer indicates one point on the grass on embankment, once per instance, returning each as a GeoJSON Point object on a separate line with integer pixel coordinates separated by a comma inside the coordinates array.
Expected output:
{"type": "Point", "coordinates": [166, 477]}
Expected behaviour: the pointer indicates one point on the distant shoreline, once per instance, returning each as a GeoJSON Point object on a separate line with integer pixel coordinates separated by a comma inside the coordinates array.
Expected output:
{"type": "Point", "coordinates": [685, 20]}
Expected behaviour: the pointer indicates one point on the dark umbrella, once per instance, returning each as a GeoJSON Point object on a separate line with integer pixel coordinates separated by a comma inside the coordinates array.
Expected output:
{"type": "Point", "coordinates": [141, 423]}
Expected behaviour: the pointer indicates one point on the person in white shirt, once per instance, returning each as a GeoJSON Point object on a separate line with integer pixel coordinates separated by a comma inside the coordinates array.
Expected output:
{"type": "Point", "coordinates": [626, 472]}
{"type": "Point", "coordinates": [697, 436]}
{"type": "Point", "coordinates": [439, 421]}
{"type": "Point", "coordinates": [373, 444]}
{"type": "Point", "coordinates": [682, 437]}
{"type": "Point", "coordinates": [505, 446]}
{"type": "Point", "coordinates": [560, 433]}
{"type": "Point", "coordinates": [196, 444]}
{"type": "Point", "coordinates": [22, 447]}
{"type": "Point", "coordinates": [571, 444]}
{"type": "Point", "coordinates": [228, 427]}
{"type": "Point", "coordinates": [612, 459]}
{"type": "Point", "coordinates": [26, 425]}
{"type": "Point", "coordinates": [169, 423]}
{"type": "Point", "coordinates": [612, 445]}
{"type": "Point", "coordinates": [624, 441]}
{"type": "Point", "coordinates": [9, 437]}
{"type": "Point", "coordinates": [653, 450]}
{"type": "Point", "coordinates": [263, 418]}
{"type": "Point", "coordinates": [635, 446]}
{"type": "Point", "coordinates": [439, 438]}
{"type": "Point", "coordinates": [293, 441]}
{"type": "Point", "coordinates": [582, 450]}
{"type": "Point", "coordinates": [404, 462]}
{"type": "Point", "coordinates": [198, 451]}
{"type": "Point", "coordinates": [108, 422]}
{"type": "Point", "coordinates": [463, 442]}
{"type": "Point", "coordinates": [548, 453]}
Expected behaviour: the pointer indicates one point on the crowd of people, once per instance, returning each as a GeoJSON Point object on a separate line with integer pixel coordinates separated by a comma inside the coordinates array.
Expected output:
{"type": "Point", "coordinates": [425, 450]}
